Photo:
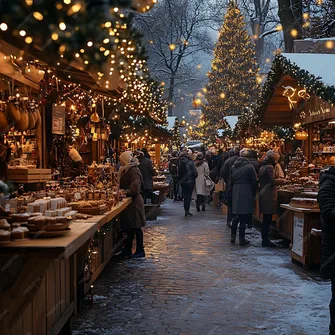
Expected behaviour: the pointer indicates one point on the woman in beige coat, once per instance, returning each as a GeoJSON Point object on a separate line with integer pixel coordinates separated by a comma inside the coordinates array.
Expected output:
{"type": "Point", "coordinates": [201, 190]}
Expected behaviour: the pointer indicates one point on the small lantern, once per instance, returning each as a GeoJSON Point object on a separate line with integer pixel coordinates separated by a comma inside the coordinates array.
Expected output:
{"type": "Point", "coordinates": [301, 135]}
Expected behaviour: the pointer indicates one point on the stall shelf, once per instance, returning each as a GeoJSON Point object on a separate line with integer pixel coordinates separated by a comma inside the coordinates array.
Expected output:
{"type": "Point", "coordinates": [39, 277]}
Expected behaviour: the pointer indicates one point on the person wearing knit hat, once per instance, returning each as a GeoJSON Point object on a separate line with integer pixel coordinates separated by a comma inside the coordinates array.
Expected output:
{"type": "Point", "coordinates": [201, 189]}
{"type": "Point", "coordinates": [243, 182]}
{"type": "Point", "coordinates": [133, 218]}
{"type": "Point", "coordinates": [73, 164]}
{"type": "Point", "coordinates": [245, 152]}
{"type": "Point", "coordinates": [268, 194]}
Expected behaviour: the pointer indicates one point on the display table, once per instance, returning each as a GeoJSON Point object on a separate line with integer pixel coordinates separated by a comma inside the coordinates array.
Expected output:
{"type": "Point", "coordinates": [163, 189]}
{"type": "Point", "coordinates": [305, 246]}
{"type": "Point", "coordinates": [39, 277]}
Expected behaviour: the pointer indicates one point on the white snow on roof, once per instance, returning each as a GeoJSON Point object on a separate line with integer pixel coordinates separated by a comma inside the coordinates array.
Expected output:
{"type": "Point", "coordinates": [321, 65]}
{"type": "Point", "coordinates": [170, 120]}
{"type": "Point", "coordinates": [318, 39]}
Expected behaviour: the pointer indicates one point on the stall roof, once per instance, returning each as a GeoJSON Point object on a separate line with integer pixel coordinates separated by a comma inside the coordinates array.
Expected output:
{"type": "Point", "coordinates": [310, 71]}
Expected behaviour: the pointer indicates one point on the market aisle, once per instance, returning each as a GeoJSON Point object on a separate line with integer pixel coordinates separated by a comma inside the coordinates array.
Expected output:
{"type": "Point", "coordinates": [195, 282]}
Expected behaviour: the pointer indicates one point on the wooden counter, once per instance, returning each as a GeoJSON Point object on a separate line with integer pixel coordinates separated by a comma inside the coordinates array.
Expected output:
{"type": "Point", "coordinates": [306, 247]}
{"type": "Point", "coordinates": [39, 278]}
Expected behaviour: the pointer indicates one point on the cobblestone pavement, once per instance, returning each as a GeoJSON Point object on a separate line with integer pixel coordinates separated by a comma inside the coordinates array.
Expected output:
{"type": "Point", "coordinates": [194, 281]}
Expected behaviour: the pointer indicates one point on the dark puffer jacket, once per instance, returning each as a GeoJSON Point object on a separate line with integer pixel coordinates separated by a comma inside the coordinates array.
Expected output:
{"type": "Point", "coordinates": [186, 169]}
{"type": "Point", "coordinates": [243, 182]}
{"type": "Point", "coordinates": [326, 199]}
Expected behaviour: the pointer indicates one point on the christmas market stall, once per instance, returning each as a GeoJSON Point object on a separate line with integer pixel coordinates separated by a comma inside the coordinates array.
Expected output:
{"type": "Point", "coordinates": [73, 79]}
{"type": "Point", "coordinates": [299, 93]}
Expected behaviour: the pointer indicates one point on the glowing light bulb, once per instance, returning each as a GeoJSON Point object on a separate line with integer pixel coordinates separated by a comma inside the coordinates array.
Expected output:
{"type": "Point", "coordinates": [28, 40]}
{"type": "Point", "coordinates": [22, 33]}
{"type": "Point", "coordinates": [54, 36]}
{"type": "Point", "coordinates": [62, 26]}
{"type": "Point", "coordinates": [38, 16]}
{"type": "Point", "coordinates": [3, 26]}
{"type": "Point", "coordinates": [89, 44]}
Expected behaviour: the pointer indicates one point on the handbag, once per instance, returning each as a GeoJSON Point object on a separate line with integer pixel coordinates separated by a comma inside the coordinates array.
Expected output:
{"type": "Point", "coordinates": [227, 198]}
{"type": "Point", "coordinates": [209, 183]}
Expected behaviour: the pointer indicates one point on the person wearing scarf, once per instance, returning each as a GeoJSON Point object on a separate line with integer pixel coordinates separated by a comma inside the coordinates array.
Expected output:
{"type": "Point", "coordinates": [132, 219]}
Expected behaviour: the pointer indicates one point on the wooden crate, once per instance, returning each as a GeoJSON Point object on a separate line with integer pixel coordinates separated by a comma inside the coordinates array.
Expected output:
{"type": "Point", "coordinates": [27, 176]}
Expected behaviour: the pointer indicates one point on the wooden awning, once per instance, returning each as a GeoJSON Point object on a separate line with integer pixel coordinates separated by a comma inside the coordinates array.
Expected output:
{"type": "Point", "coordinates": [277, 111]}
{"type": "Point", "coordinates": [63, 71]}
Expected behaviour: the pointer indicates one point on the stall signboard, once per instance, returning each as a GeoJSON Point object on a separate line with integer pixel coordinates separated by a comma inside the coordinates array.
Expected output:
{"type": "Point", "coordinates": [315, 110]}
{"type": "Point", "coordinates": [58, 119]}
{"type": "Point", "coordinates": [298, 235]}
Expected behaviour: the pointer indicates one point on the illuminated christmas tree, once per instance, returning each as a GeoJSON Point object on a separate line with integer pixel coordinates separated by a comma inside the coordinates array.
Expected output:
{"type": "Point", "coordinates": [176, 141]}
{"type": "Point", "coordinates": [232, 82]}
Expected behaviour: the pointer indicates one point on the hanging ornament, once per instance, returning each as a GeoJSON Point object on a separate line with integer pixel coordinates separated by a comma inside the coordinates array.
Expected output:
{"type": "Point", "coordinates": [142, 5]}
{"type": "Point", "coordinates": [95, 117]}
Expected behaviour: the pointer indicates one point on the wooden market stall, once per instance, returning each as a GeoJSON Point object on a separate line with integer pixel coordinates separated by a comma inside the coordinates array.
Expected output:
{"type": "Point", "coordinates": [41, 280]}
{"type": "Point", "coordinates": [300, 93]}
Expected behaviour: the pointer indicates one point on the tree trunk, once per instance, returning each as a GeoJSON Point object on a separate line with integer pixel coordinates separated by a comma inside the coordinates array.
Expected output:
{"type": "Point", "coordinates": [171, 95]}
{"type": "Point", "coordinates": [290, 18]}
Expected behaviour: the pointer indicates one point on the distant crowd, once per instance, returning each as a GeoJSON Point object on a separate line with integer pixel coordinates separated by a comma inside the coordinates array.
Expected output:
{"type": "Point", "coordinates": [246, 176]}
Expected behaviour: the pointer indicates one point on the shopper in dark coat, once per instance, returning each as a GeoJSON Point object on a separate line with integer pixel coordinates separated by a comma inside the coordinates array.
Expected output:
{"type": "Point", "coordinates": [133, 218]}
{"type": "Point", "coordinates": [146, 153]}
{"type": "Point", "coordinates": [173, 168]}
{"type": "Point", "coordinates": [268, 194]}
{"type": "Point", "coordinates": [147, 173]}
{"type": "Point", "coordinates": [187, 176]}
{"type": "Point", "coordinates": [243, 183]}
{"type": "Point", "coordinates": [326, 198]}
{"type": "Point", "coordinates": [225, 175]}
{"type": "Point", "coordinates": [254, 161]}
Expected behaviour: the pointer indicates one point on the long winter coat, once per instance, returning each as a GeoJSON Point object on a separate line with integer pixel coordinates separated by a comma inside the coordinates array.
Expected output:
{"type": "Point", "coordinates": [226, 168]}
{"type": "Point", "coordinates": [147, 172]}
{"type": "Point", "coordinates": [326, 198]}
{"type": "Point", "coordinates": [243, 181]}
{"type": "Point", "coordinates": [203, 174]}
{"type": "Point", "coordinates": [173, 167]}
{"type": "Point", "coordinates": [268, 194]}
{"type": "Point", "coordinates": [256, 164]}
{"type": "Point", "coordinates": [134, 215]}
{"type": "Point", "coordinates": [186, 169]}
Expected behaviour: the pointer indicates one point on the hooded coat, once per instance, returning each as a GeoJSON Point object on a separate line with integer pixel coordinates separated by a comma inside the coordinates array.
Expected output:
{"type": "Point", "coordinates": [134, 215]}
{"type": "Point", "coordinates": [186, 169]}
{"type": "Point", "coordinates": [326, 199]}
{"type": "Point", "coordinates": [226, 168]}
{"type": "Point", "coordinates": [203, 174]}
{"type": "Point", "coordinates": [243, 182]}
{"type": "Point", "coordinates": [268, 194]}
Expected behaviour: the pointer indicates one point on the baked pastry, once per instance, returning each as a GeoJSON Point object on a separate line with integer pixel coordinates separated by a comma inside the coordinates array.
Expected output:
{"type": "Point", "coordinates": [4, 224]}
{"type": "Point", "coordinates": [4, 235]}
{"type": "Point", "coordinates": [17, 233]}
